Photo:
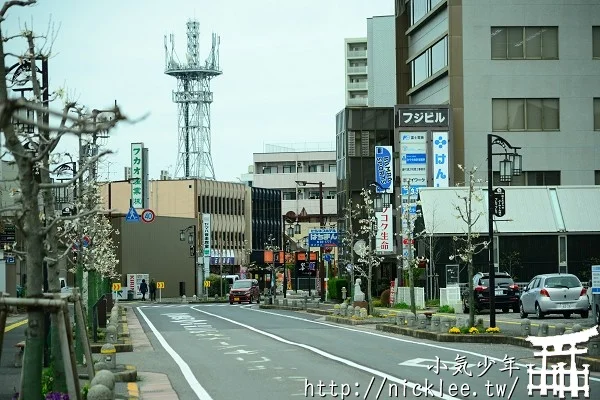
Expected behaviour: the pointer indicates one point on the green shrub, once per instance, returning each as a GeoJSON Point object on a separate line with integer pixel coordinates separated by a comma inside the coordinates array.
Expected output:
{"type": "Point", "coordinates": [214, 285]}
{"type": "Point", "coordinates": [385, 298]}
{"type": "Point", "coordinates": [84, 391]}
{"type": "Point", "coordinates": [402, 306]}
{"type": "Point", "coordinates": [377, 303]}
{"type": "Point", "coordinates": [447, 309]}
{"type": "Point", "coordinates": [47, 380]}
{"type": "Point", "coordinates": [432, 303]}
{"type": "Point", "coordinates": [334, 288]}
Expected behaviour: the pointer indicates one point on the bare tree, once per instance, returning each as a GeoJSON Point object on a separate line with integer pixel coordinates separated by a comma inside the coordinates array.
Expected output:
{"type": "Point", "coordinates": [350, 214]}
{"type": "Point", "coordinates": [511, 260]}
{"type": "Point", "coordinates": [31, 151]}
{"type": "Point", "coordinates": [467, 246]}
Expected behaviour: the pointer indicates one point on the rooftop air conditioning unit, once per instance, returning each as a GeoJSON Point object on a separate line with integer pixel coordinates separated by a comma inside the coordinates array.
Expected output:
{"type": "Point", "coordinates": [164, 175]}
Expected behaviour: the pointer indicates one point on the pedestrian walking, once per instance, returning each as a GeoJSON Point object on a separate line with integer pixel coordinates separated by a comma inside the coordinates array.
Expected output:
{"type": "Point", "coordinates": [143, 289]}
{"type": "Point", "coordinates": [152, 290]}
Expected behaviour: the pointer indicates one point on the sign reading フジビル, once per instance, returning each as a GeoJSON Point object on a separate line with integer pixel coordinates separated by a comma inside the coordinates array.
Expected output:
{"type": "Point", "coordinates": [421, 117]}
{"type": "Point", "coordinates": [137, 175]}
{"type": "Point", "coordinates": [384, 169]}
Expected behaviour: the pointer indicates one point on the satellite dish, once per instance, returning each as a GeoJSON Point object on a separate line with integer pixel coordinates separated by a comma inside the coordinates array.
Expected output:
{"type": "Point", "coordinates": [360, 247]}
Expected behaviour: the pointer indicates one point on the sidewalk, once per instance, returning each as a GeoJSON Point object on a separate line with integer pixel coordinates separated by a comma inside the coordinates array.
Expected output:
{"type": "Point", "coordinates": [150, 385]}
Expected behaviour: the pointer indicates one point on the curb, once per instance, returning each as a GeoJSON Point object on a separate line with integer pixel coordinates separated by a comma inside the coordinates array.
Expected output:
{"type": "Point", "coordinates": [594, 363]}
{"type": "Point", "coordinates": [319, 311]}
{"type": "Point", "coordinates": [124, 347]}
{"type": "Point", "coordinates": [348, 321]}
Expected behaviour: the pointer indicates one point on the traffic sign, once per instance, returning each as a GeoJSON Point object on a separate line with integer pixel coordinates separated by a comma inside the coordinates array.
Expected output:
{"type": "Point", "coordinates": [86, 241]}
{"type": "Point", "coordinates": [499, 202]}
{"type": "Point", "coordinates": [116, 287]}
{"type": "Point", "coordinates": [408, 241]}
{"type": "Point", "coordinates": [327, 257]}
{"type": "Point", "coordinates": [148, 216]}
{"type": "Point", "coordinates": [132, 216]}
{"type": "Point", "coordinates": [160, 285]}
{"type": "Point", "coordinates": [206, 283]}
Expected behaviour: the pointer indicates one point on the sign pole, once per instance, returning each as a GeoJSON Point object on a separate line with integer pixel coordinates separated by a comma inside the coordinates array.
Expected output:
{"type": "Point", "coordinates": [160, 295]}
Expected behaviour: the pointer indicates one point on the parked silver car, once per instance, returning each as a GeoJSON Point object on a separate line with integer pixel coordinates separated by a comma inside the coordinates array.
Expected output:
{"type": "Point", "coordinates": [554, 294]}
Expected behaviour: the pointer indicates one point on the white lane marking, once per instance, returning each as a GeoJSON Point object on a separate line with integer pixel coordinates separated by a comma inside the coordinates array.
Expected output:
{"type": "Point", "coordinates": [352, 364]}
{"type": "Point", "coordinates": [461, 351]}
{"type": "Point", "coordinates": [183, 366]}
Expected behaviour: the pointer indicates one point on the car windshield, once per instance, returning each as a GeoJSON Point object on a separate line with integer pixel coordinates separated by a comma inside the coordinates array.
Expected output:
{"type": "Point", "coordinates": [242, 284]}
{"type": "Point", "coordinates": [500, 281]}
{"type": "Point", "coordinates": [562, 282]}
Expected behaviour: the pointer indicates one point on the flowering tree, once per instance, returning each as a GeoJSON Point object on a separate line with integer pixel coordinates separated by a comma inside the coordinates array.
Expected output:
{"type": "Point", "coordinates": [367, 259]}
{"type": "Point", "coordinates": [467, 246]}
{"type": "Point", "coordinates": [350, 214]}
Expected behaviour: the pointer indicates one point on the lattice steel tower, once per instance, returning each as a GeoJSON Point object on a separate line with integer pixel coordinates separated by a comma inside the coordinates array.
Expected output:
{"type": "Point", "coordinates": [193, 98]}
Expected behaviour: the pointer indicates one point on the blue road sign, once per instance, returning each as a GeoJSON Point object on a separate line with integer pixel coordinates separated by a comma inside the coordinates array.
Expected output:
{"type": "Point", "coordinates": [322, 237]}
{"type": "Point", "coordinates": [327, 257]}
{"type": "Point", "coordinates": [132, 216]}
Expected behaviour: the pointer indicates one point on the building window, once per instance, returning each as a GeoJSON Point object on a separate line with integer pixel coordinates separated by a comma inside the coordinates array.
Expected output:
{"type": "Point", "coordinates": [525, 115]}
{"type": "Point", "coordinates": [597, 114]}
{"type": "Point", "coordinates": [524, 42]}
{"type": "Point", "coordinates": [596, 41]}
{"type": "Point", "coordinates": [530, 178]}
{"type": "Point", "coordinates": [332, 168]}
{"type": "Point", "coordinates": [289, 169]}
{"type": "Point", "coordinates": [420, 8]}
{"type": "Point", "coordinates": [331, 195]}
{"type": "Point", "coordinates": [433, 60]}
{"type": "Point", "coordinates": [269, 170]}
{"type": "Point", "coordinates": [314, 195]}
{"type": "Point", "coordinates": [289, 195]}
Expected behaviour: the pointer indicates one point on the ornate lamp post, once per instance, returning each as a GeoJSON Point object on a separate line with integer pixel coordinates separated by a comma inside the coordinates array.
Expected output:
{"type": "Point", "coordinates": [510, 166]}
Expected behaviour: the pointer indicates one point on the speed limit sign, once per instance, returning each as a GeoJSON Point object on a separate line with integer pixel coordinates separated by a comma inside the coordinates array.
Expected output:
{"type": "Point", "coordinates": [148, 215]}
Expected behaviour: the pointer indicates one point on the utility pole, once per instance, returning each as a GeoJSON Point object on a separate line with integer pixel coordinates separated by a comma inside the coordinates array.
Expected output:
{"type": "Point", "coordinates": [221, 261]}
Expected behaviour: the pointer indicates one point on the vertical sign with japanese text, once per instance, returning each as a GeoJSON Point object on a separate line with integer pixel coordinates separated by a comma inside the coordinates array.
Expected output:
{"type": "Point", "coordinates": [440, 159]}
{"type": "Point", "coordinates": [137, 175]}
{"type": "Point", "coordinates": [206, 235]}
{"type": "Point", "coordinates": [384, 240]}
{"type": "Point", "coordinates": [384, 169]}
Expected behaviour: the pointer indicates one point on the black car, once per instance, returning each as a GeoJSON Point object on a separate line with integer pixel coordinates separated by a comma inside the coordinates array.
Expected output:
{"type": "Point", "coordinates": [506, 293]}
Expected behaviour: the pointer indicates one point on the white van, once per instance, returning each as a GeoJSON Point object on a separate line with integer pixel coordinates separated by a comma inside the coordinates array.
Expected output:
{"type": "Point", "coordinates": [230, 279]}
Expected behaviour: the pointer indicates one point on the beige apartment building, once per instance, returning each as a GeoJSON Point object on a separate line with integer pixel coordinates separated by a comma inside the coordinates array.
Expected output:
{"type": "Point", "coordinates": [179, 205]}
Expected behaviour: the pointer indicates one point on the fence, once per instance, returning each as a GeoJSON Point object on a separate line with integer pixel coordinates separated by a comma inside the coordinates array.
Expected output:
{"type": "Point", "coordinates": [450, 296]}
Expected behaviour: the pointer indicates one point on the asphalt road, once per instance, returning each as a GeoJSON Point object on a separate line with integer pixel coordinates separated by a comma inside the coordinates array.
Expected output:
{"type": "Point", "coordinates": [10, 376]}
{"type": "Point", "coordinates": [224, 352]}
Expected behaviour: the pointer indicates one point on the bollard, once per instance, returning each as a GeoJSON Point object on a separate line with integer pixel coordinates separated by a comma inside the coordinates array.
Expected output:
{"type": "Point", "coordinates": [445, 325]}
{"type": "Point", "coordinates": [421, 321]}
{"type": "Point", "coordinates": [100, 392]}
{"type": "Point", "coordinates": [343, 292]}
{"type": "Point", "coordinates": [525, 328]}
{"type": "Point", "coordinates": [577, 328]}
{"type": "Point", "coordinates": [285, 302]}
{"type": "Point", "coordinates": [294, 303]}
{"type": "Point", "coordinates": [559, 329]}
{"type": "Point", "coordinates": [194, 298]}
{"type": "Point", "coordinates": [110, 355]}
{"type": "Point", "coordinates": [104, 377]}
{"type": "Point", "coordinates": [594, 346]}
{"type": "Point", "coordinates": [363, 313]}
{"type": "Point", "coordinates": [184, 299]}
{"type": "Point", "coordinates": [357, 311]}
{"type": "Point", "coordinates": [343, 309]}
{"type": "Point", "coordinates": [400, 320]}
{"type": "Point", "coordinates": [411, 319]}
{"type": "Point", "coordinates": [543, 329]}
{"type": "Point", "coordinates": [99, 366]}
{"type": "Point", "coordinates": [111, 334]}
{"type": "Point", "coordinates": [435, 323]}
{"type": "Point", "coordinates": [336, 309]}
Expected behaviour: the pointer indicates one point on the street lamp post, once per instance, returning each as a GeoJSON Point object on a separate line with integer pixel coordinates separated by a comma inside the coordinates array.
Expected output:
{"type": "Point", "coordinates": [510, 166]}
{"type": "Point", "coordinates": [321, 225]}
{"type": "Point", "coordinates": [193, 242]}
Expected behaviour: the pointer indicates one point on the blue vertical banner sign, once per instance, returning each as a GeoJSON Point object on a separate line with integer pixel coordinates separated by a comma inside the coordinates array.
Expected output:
{"type": "Point", "coordinates": [440, 159]}
{"type": "Point", "coordinates": [384, 169]}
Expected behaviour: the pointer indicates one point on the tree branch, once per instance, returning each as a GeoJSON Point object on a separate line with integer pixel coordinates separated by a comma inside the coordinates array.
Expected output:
{"type": "Point", "coordinates": [13, 3]}
{"type": "Point", "coordinates": [76, 177]}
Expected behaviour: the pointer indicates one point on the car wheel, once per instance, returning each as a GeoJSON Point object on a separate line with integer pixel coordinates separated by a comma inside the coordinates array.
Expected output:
{"type": "Point", "coordinates": [522, 312]}
{"type": "Point", "coordinates": [465, 308]}
{"type": "Point", "coordinates": [585, 314]}
{"type": "Point", "coordinates": [505, 310]}
{"type": "Point", "coordinates": [567, 315]}
{"type": "Point", "coordinates": [538, 311]}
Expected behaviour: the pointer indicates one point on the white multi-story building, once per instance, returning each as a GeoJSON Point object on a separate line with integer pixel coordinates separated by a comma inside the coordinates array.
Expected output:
{"type": "Point", "coordinates": [297, 170]}
{"type": "Point", "coordinates": [371, 65]}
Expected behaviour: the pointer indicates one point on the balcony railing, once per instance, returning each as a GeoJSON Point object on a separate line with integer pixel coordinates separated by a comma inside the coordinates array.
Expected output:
{"type": "Point", "coordinates": [357, 101]}
{"type": "Point", "coordinates": [362, 69]}
{"type": "Point", "coordinates": [357, 85]}
{"type": "Point", "coordinates": [357, 54]}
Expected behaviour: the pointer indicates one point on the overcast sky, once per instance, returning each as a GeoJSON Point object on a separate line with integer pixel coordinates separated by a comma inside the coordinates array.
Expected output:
{"type": "Point", "coordinates": [282, 62]}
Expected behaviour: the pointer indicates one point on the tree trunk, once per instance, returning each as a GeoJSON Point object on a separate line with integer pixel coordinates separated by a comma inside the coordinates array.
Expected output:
{"type": "Point", "coordinates": [411, 278]}
{"type": "Point", "coordinates": [470, 253]}
{"type": "Point", "coordinates": [369, 278]}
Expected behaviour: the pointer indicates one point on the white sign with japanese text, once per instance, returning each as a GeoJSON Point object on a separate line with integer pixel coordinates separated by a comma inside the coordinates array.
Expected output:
{"type": "Point", "coordinates": [206, 234]}
{"type": "Point", "coordinates": [440, 159]}
{"type": "Point", "coordinates": [384, 240]}
{"type": "Point", "coordinates": [137, 175]}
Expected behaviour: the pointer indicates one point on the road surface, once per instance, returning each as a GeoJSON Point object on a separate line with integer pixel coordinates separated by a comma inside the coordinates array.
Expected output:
{"type": "Point", "coordinates": [226, 352]}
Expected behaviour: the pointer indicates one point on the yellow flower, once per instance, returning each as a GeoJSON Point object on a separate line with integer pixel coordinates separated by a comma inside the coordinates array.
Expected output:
{"type": "Point", "coordinates": [493, 330]}
{"type": "Point", "coordinates": [454, 329]}
{"type": "Point", "coordinates": [473, 330]}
